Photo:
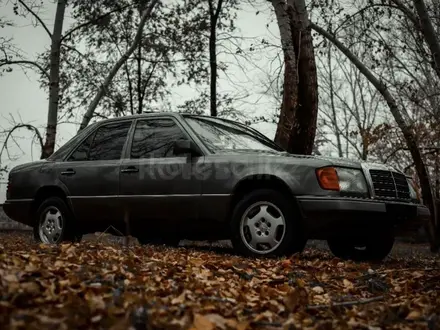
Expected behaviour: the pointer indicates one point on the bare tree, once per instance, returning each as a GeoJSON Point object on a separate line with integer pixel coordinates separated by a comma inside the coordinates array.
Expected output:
{"type": "Point", "coordinates": [106, 83]}
{"type": "Point", "coordinates": [407, 131]}
{"type": "Point", "coordinates": [50, 72]}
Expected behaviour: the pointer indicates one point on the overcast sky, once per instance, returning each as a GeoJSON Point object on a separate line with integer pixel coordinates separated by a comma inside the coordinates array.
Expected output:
{"type": "Point", "coordinates": [23, 99]}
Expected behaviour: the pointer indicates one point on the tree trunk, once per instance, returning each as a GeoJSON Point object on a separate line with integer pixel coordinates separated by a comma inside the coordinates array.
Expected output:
{"type": "Point", "coordinates": [54, 81]}
{"type": "Point", "coordinates": [332, 102]}
{"type": "Point", "coordinates": [429, 33]}
{"type": "Point", "coordinates": [407, 132]}
{"type": "Point", "coordinates": [139, 77]}
{"type": "Point", "coordinates": [104, 87]}
{"type": "Point", "coordinates": [299, 110]}
{"type": "Point", "coordinates": [214, 15]}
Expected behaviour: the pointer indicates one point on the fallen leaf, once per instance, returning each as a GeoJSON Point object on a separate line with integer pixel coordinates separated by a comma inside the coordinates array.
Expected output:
{"type": "Point", "coordinates": [202, 323]}
{"type": "Point", "coordinates": [413, 315]}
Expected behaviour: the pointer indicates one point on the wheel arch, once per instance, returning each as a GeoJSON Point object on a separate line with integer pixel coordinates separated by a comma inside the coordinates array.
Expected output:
{"type": "Point", "coordinates": [261, 181]}
{"type": "Point", "coordinates": [45, 192]}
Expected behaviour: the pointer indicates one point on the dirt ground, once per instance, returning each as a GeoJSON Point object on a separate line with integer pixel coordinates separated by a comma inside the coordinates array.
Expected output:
{"type": "Point", "coordinates": [102, 284]}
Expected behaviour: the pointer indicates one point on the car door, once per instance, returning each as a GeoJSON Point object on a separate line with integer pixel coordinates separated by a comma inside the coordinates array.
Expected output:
{"type": "Point", "coordinates": [91, 175]}
{"type": "Point", "coordinates": [156, 184]}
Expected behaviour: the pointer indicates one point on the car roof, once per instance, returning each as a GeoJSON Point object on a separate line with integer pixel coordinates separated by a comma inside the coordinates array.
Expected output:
{"type": "Point", "coordinates": [153, 114]}
{"type": "Point", "coordinates": [142, 115]}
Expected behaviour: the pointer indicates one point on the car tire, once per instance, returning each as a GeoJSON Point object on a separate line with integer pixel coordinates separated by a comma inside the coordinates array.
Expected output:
{"type": "Point", "coordinates": [374, 248]}
{"type": "Point", "coordinates": [54, 223]}
{"type": "Point", "coordinates": [286, 235]}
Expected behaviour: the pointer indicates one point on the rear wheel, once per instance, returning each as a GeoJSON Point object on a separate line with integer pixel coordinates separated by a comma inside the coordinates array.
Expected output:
{"type": "Point", "coordinates": [372, 248]}
{"type": "Point", "coordinates": [54, 222]}
{"type": "Point", "coordinates": [264, 223]}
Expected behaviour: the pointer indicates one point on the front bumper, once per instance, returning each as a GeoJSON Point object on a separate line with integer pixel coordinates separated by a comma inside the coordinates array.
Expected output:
{"type": "Point", "coordinates": [19, 210]}
{"type": "Point", "coordinates": [325, 216]}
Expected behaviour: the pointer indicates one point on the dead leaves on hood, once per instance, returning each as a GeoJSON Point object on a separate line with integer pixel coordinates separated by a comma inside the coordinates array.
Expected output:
{"type": "Point", "coordinates": [104, 286]}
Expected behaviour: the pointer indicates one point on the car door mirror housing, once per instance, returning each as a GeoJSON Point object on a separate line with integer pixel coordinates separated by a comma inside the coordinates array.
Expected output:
{"type": "Point", "coordinates": [182, 147]}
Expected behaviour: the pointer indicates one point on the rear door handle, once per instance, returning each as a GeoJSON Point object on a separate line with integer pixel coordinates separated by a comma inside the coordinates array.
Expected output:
{"type": "Point", "coordinates": [69, 171]}
{"type": "Point", "coordinates": [130, 169]}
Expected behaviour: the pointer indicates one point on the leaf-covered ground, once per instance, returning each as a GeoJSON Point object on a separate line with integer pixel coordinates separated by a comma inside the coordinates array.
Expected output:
{"type": "Point", "coordinates": [104, 285]}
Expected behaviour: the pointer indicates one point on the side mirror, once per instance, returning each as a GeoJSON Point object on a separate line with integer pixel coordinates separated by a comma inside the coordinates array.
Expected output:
{"type": "Point", "coordinates": [182, 147]}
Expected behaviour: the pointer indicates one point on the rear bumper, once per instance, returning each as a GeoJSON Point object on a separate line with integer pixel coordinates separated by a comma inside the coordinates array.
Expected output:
{"type": "Point", "coordinates": [19, 210]}
{"type": "Point", "coordinates": [324, 216]}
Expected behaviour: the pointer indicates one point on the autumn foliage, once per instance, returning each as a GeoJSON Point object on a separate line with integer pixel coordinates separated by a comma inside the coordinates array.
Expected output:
{"type": "Point", "coordinates": [108, 286]}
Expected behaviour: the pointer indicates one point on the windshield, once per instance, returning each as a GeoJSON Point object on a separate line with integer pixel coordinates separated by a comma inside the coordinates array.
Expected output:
{"type": "Point", "coordinates": [218, 134]}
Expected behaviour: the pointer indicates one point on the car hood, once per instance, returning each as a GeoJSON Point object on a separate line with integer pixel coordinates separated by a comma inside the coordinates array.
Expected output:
{"type": "Point", "coordinates": [28, 166]}
{"type": "Point", "coordinates": [344, 162]}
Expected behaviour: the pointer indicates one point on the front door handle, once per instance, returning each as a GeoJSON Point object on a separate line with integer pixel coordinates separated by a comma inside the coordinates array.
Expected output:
{"type": "Point", "coordinates": [130, 169]}
{"type": "Point", "coordinates": [69, 171]}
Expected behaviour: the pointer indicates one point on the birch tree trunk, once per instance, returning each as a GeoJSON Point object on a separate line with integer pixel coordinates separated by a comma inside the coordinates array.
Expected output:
{"type": "Point", "coordinates": [332, 102]}
{"type": "Point", "coordinates": [104, 86]}
{"type": "Point", "coordinates": [54, 81]}
{"type": "Point", "coordinates": [298, 116]}
{"type": "Point", "coordinates": [407, 132]}
{"type": "Point", "coordinates": [214, 16]}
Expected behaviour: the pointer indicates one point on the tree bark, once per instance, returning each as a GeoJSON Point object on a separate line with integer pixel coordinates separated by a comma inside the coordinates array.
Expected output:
{"type": "Point", "coordinates": [429, 33]}
{"type": "Point", "coordinates": [214, 16]}
{"type": "Point", "coordinates": [299, 110]}
{"type": "Point", "coordinates": [54, 81]}
{"type": "Point", "coordinates": [104, 86]}
{"type": "Point", "coordinates": [407, 132]}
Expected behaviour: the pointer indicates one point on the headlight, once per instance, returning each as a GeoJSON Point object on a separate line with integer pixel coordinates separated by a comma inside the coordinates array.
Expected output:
{"type": "Point", "coordinates": [352, 181]}
{"type": "Point", "coordinates": [413, 190]}
{"type": "Point", "coordinates": [346, 180]}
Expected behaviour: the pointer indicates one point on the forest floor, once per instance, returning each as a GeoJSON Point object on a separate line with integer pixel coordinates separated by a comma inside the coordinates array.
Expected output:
{"type": "Point", "coordinates": [102, 284]}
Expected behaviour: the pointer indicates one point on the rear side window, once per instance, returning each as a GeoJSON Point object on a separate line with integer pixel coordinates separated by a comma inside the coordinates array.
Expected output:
{"type": "Point", "coordinates": [105, 144]}
{"type": "Point", "coordinates": [154, 138]}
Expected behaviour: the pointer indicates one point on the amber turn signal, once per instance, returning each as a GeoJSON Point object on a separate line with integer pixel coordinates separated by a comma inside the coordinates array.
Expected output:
{"type": "Point", "coordinates": [328, 178]}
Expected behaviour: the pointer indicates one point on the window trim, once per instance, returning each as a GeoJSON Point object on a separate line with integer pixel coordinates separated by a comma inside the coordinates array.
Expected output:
{"type": "Point", "coordinates": [127, 154]}
{"type": "Point", "coordinates": [93, 132]}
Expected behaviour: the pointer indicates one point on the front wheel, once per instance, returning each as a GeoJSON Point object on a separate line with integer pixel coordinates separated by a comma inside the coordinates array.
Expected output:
{"type": "Point", "coordinates": [264, 223]}
{"type": "Point", "coordinates": [375, 247]}
{"type": "Point", "coordinates": [54, 223]}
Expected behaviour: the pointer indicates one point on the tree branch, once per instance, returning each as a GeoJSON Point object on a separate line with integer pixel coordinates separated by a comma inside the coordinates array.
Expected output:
{"type": "Point", "coordinates": [36, 17]}
{"type": "Point", "coordinates": [18, 62]}
{"type": "Point", "coordinates": [18, 126]}
{"type": "Point", "coordinates": [76, 28]}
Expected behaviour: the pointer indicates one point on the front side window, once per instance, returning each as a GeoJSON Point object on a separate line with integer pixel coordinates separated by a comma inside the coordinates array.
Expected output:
{"type": "Point", "coordinates": [109, 141]}
{"type": "Point", "coordinates": [82, 152]}
{"type": "Point", "coordinates": [221, 135]}
{"type": "Point", "coordinates": [105, 144]}
{"type": "Point", "coordinates": [154, 138]}
{"type": "Point", "coordinates": [64, 150]}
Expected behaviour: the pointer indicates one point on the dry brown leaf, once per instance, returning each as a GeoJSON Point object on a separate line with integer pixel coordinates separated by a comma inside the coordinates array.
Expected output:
{"type": "Point", "coordinates": [347, 284]}
{"type": "Point", "coordinates": [413, 315]}
{"type": "Point", "coordinates": [296, 298]}
{"type": "Point", "coordinates": [202, 323]}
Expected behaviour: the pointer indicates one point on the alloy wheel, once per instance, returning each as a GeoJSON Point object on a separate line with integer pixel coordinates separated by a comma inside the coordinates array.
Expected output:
{"type": "Point", "coordinates": [51, 225]}
{"type": "Point", "coordinates": [262, 227]}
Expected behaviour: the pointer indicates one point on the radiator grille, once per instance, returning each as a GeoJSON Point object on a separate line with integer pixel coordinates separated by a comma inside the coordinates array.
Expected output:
{"type": "Point", "coordinates": [390, 184]}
